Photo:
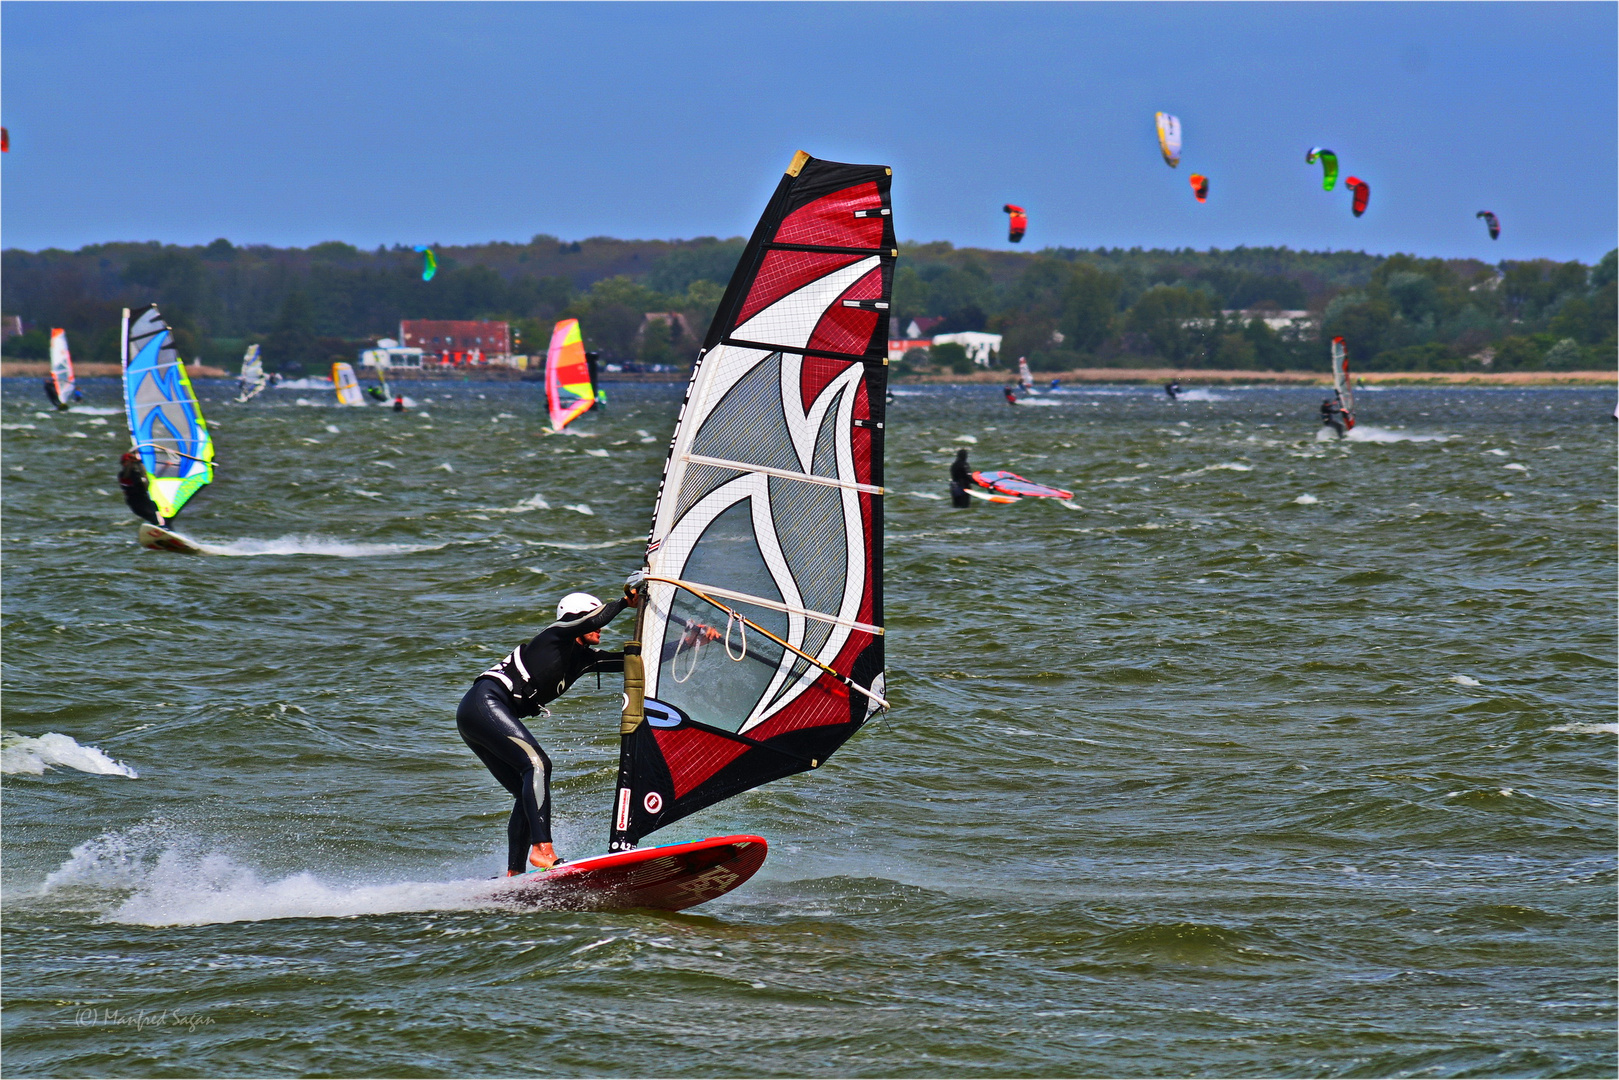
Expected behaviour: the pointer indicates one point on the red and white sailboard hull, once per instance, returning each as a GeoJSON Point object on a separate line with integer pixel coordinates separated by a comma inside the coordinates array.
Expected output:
{"type": "Point", "coordinates": [672, 878]}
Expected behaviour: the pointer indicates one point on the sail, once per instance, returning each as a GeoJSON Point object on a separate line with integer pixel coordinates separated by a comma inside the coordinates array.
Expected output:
{"type": "Point", "coordinates": [569, 389]}
{"type": "Point", "coordinates": [760, 644]}
{"type": "Point", "coordinates": [347, 386]}
{"type": "Point", "coordinates": [1025, 377]}
{"type": "Point", "coordinates": [165, 423]}
{"type": "Point", "coordinates": [382, 374]}
{"type": "Point", "coordinates": [252, 380]}
{"type": "Point", "coordinates": [61, 367]}
{"type": "Point", "coordinates": [1341, 381]}
{"type": "Point", "coordinates": [1009, 483]}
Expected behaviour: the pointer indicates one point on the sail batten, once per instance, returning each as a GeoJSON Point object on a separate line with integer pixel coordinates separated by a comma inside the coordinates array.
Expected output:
{"type": "Point", "coordinates": [772, 502]}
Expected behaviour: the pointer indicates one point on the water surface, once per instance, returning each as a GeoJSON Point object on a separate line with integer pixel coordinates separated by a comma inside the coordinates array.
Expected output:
{"type": "Point", "coordinates": [1274, 756]}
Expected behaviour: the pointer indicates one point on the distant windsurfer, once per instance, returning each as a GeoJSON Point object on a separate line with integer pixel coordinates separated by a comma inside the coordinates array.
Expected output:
{"type": "Point", "coordinates": [1332, 414]}
{"type": "Point", "coordinates": [959, 479]}
{"type": "Point", "coordinates": [1173, 389]}
{"type": "Point", "coordinates": [1011, 396]}
{"type": "Point", "coordinates": [531, 676]}
{"type": "Point", "coordinates": [377, 393]}
{"type": "Point", "coordinates": [132, 479]}
{"type": "Point", "coordinates": [591, 359]}
{"type": "Point", "coordinates": [1054, 384]}
{"type": "Point", "coordinates": [399, 403]}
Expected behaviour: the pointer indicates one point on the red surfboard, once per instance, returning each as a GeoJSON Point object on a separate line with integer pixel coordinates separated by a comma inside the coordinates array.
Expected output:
{"type": "Point", "coordinates": [673, 877]}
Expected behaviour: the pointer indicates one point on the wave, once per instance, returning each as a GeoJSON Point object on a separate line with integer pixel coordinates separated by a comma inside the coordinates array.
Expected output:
{"type": "Point", "coordinates": [311, 545]}
{"type": "Point", "coordinates": [21, 754]}
{"type": "Point", "coordinates": [1224, 466]}
{"type": "Point", "coordinates": [1587, 729]}
{"type": "Point", "coordinates": [1047, 402]}
{"type": "Point", "coordinates": [1202, 395]}
{"type": "Point", "coordinates": [176, 883]}
{"type": "Point", "coordinates": [535, 501]}
{"type": "Point", "coordinates": [1366, 433]}
{"type": "Point", "coordinates": [95, 410]}
{"type": "Point", "coordinates": [314, 382]}
{"type": "Point", "coordinates": [565, 546]}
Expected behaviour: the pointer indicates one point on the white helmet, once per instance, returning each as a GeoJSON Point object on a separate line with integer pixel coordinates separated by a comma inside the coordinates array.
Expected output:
{"type": "Point", "coordinates": [577, 607]}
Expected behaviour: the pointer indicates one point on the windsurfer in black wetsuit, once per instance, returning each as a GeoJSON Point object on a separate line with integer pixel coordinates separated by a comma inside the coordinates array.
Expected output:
{"type": "Point", "coordinates": [1332, 414]}
{"type": "Point", "coordinates": [959, 479]}
{"type": "Point", "coordinates": [399, 403]}
{"type": "Point", "coordinates": [1173, 389]}
{"type": "Point", "coordinates": [521, 685]}
{"type": "Point", "coordinates": [1011, 395]}
{"type": "Point", "coordinates": [50, 392]}
{"type": "Point", "coordinates": [132, 479]}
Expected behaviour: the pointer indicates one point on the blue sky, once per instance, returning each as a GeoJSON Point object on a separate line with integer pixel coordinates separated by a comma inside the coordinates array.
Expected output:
{"type": "Point", "coordinates": [448, 123]}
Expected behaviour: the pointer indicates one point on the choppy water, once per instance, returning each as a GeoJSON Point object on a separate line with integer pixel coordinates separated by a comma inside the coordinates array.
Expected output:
{"type": "Point", "coordinates": [1276, 757]}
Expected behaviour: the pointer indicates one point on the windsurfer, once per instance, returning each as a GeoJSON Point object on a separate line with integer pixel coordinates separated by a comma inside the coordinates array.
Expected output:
{"type": "Point", "coordinates": [1011, 397]}
{"type": "Point", "coordinates": [1173, 389]}
{"type": "Point", "coordinates": [50, 392]}
{"type": "Point", "coordinates": [959, 479]}
{"type": "Point", "coordinates": [132, 478]}
{"type": "Point", "coordinates": [1332, 414]}
{"type": "Point", "coordinates": [399, 403]}
{"type": "Point", "coordinates": [521, 685]}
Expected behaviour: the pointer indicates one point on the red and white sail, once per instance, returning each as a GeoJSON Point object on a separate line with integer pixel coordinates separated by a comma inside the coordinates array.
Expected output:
{"type": "Point", "coordinates": [761, 638]}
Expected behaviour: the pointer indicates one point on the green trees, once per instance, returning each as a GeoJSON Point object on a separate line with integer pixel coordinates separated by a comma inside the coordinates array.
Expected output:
{"type": "Point", "coordinates": [1061, 308]}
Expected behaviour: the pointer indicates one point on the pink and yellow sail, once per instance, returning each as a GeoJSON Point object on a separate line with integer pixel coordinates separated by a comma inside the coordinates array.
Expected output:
{"type": "Point", "coordinates": [568, 389]}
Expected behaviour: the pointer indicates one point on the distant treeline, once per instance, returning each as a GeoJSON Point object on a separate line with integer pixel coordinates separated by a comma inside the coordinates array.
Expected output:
{"type": "Point", "coordinates": [1061, 307]}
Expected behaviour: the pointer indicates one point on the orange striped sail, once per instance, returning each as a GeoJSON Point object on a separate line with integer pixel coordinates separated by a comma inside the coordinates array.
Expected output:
{"type": "Point", "coordinates": [568, 390]}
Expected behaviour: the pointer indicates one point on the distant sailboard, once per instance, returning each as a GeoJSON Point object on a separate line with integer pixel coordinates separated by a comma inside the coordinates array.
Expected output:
{"type": "Point", "coordinates": [165, 423]}
{"type": "Point", "coordinates": [346, 384]}
{"type": "Point", "coordinates": [569, 389]}
{"type": "Point", "coordinates": [62, 369]}
{"type": "Point", "coordinates": [252, 380]}
{"type": "Point", "coordinates": [1025, 377]}
{"type": "Point", "coordinates": [1002, 482]}
{"type": "Point", "coordinates": [1341, 381]}
{"type": "Point", "coordinates": [768, 523]}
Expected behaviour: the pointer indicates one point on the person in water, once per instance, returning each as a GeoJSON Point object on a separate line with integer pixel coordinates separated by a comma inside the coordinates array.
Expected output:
{"type": "Point", "coordinates": [399, 403]}
{"type": "Point", "coordinates": [959, 479]}
{"type": "Point", "coordinates": [132, 479]}
{"type": "Point", "coordinates": [1055, 383]}
{"type": "Point", "coordinates": [1332, 414]}
{"type": "Point", "coordinates": [522, 684]}
{"type": "Point", "coordinates": [1173, 389]}
{"type": "Point", "coordinates": [1011, 396]}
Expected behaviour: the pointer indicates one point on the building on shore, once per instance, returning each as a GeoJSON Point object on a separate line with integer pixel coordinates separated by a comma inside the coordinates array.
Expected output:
{"type": "Point", "coordinates": [459, 343]}
{"type": "Point", "coordinates": [982, 349]}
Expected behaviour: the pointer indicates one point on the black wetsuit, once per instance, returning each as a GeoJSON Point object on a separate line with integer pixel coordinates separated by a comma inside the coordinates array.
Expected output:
{"type": "Point", "coordinates": [959, 479]}
{"type": "Point", "coordinates": [1011, 398]}
{"type": "Point", "coordinates": [1173, 389]}
{"type": "Point", "coordinates": [1332, 415]}
{"type": "Point", "coordinates": [50, 392]}
{"type": "Point", "coordinates": [132, 479]}
{"type": "Point", "coordinates": [521, 685]}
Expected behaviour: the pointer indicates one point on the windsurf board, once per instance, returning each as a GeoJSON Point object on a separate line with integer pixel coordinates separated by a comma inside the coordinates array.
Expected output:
{"type": "Point", "coordinates": [672, 877]}
{"type": "Point", "coordinates": [158, 539]}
